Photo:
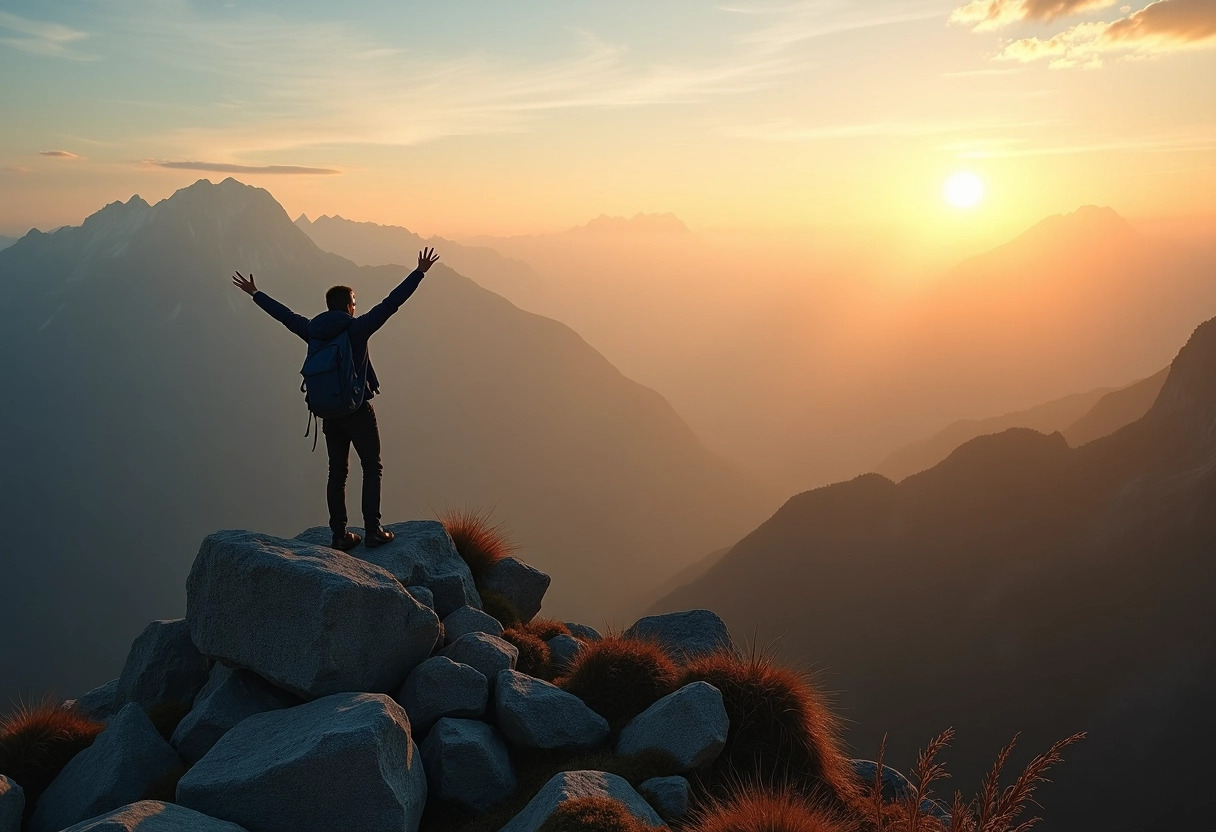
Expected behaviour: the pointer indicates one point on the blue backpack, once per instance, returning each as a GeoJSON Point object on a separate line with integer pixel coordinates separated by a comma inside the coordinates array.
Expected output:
{"type": "Point", "coordinates": [332, 386]}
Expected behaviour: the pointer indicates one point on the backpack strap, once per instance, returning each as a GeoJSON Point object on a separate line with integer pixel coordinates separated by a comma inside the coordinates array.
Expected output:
{"type": "Point", "coordinates": [311, 424]}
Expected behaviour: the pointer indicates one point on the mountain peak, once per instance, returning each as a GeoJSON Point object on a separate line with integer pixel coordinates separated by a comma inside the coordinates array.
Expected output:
{"type": "Point", "coordinates": [667, 224]}
{"type": "Point", "coordinates": [1089, 223]}
{"type": "Point", "coordinates": [1189, 393]}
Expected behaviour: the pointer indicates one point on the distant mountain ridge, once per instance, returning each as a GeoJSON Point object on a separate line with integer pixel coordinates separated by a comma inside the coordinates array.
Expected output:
{"type": "Point", "coordinates": [1023, 585]}
{"type": "Point", "coordinates": [1081, 417]}
{"type": "Point", "coordinates": [157, 403]}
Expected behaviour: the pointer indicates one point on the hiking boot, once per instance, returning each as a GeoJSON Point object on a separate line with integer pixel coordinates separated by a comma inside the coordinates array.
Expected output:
{"type": "Point", "coordinates": [346, 542]}
{"type": "Point", "coordinates": [377, 535]}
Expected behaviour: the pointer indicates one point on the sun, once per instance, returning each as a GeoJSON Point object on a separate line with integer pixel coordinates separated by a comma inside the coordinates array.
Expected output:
{"type": "Point", "coordinates": [963, 190]}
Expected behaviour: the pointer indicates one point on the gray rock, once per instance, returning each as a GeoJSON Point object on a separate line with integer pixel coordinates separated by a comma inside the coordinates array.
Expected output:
{"type": "Point", "coordinates": [440, 687]}
{"type": "Point", "coordinates": [306, 618]}
{"type": "Point", "coordinates": [422, 595]}
{"type": "Point", "coordinates": [469, 620]}
{"type": "Point", "coordinates": [668, 795]}
{"type": "Point", "coordinates": [583, 631]}
{"type": "Point", "coordinates": [12, 805]}
{"type": "Point", "coordinates": [488, 654]}
{"type": "Point", "coordinates": [689, 724]}
{"type": "Point", "coordinates": [154, 816]}
{"type": "Point", "coordinates": [163, 668]}
{"type": "Point", "coordinates": [532, 713]}
{"type": "Point", "coordinates": [563, 650]}
{"type": "Point", "coordinates": [342, 762]}
{"type": "Point", "coordinates": [118, 768]}
{"type": "Point", "coordinates": [421, 554]}
{"type": "Point", "coordinates": [685, 634]}
{"type": "Point", "coordinates": [100, 703]}
{"type": "Point", "coordinates": [228, 698]}
{"type": "Point", "coordinates": [570, 785]}
{"type": "Point", "coordinates": [467, 763]}
{"type": "Point", "coordinates": [523, 585]}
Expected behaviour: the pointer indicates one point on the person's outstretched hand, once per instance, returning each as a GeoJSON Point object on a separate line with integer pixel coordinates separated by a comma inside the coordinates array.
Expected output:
{"type": "Point", "coordinates": [426, 259]}
{"type": "Point", "coordinates": [245, 284]}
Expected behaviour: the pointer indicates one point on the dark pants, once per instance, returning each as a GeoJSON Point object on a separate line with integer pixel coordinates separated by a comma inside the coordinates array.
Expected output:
{"type": "Point", "coordinates": [360, 429]}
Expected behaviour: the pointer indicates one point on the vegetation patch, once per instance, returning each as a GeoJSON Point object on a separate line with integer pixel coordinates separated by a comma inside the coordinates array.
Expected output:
{"type": "Point", "coordinates": [480, 541]}
{"type": "Point", "coordinates": [619, 677]}
{"type": "Point", "coordinates": [781, 729]}
{"type": "Point", "coordinates": [37, 741]}
{"type": "Point", "coordinates": [535, 657]}
{"type": "Point", "coordinates": [594, 814]}
{"type": "Point", "coordinates": [755, 808]}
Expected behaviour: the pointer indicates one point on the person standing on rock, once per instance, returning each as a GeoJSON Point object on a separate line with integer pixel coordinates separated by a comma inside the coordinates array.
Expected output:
{"type": "Point", "coordinates": [359, 427]}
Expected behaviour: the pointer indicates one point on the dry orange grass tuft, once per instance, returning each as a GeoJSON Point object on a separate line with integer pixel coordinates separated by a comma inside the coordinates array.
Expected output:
{"type": "Point", "coordinates": [534, 655]}
{"type": "Point", "coordinates": [546, 628]}
{"type": "Point", "coordinates": [764, 809]}
{"type": "Point", "coordinates": [994, 809]}
{"type": "Point", "coordinates": [37, 741]}
{"type": "Point", "coordinates": [480, 541]}
{"type": "Point", "coordinates": [594, 814]}
{"type": "Point", "coordinates": [781, 730]}
{"type": "Point", "coordinates": [619, 677]}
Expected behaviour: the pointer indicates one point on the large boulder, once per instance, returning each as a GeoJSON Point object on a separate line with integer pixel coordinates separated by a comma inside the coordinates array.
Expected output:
{"type": "Point", "coordinates": [12, 805]}
{"type": "Point", "coordinates": [532, 713]}
{"type": "Point", "coordinates": [690, 725]}
{"type": "Point", "coordinates": [307, 618]}
{"type": "Point", "coordinates": [467, 620]}
{"type": "Point", "coordinates": [100, 703]}
{"type": "Point", "coordinates": [154, 816]}
{"type": "Point", "coordinates": [123, 763]}
{"type": "Point", "coordinates": [440, 687]}
{"type": "Point", "coordinates": [421, 553]}
{"type": "Point", "coordinates": [571, 785]}
{"type": "Point", "coordinates": [670, 796]}
{"type": "Point", "coordinates": [228, 698]}
{"type": "Point", "coordinates": [563, 650]}
{"type": "Point", "coordinates": [489, 655]}
{"type": "Point", "coordinates": [523, 585]}
{"type": "Point", "coordinates": [163, 669]}
{"type": "Point", "coordinates": [467, 763]}
{"type": "Point", "coordinates": [685, 634]}
{"type": "Point", "coordinates": [342, 762]}
{"type": "Point", "coordinates": [584, 632]}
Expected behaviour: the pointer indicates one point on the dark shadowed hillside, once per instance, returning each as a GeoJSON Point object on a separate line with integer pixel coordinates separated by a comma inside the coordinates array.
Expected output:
{"type": "Point", "coordinates": [1116, 409]}
{"type": "Point", "coordinates": [1019, 585]}
{"type": "Point", "coordinates": [151, 402]}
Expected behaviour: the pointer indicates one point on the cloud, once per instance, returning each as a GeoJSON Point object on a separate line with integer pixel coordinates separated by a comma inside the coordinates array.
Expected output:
{"type": "Point", "coordinates": [15, 169]}
{"type": "Point", "coordinates": [984, 15]}
{"type": "Point", "coordinates": [1160, 27]}
{"type": "Point", "coordinates": [49, 39]}
{"type": "Point", "coordinates": [58, 154]}
{"type": "Point", "coordinates": [785, 130]}
{"type": "Point", "coordinates": [221, 167]}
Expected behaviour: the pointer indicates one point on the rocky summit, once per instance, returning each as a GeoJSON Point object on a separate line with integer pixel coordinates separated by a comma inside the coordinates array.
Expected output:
{"type": "Point", "coordinates": [311, 690]}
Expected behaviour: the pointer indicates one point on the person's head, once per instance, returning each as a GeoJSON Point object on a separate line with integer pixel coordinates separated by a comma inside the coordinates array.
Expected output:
{"type": "Point", "coordinates": [341, 297]}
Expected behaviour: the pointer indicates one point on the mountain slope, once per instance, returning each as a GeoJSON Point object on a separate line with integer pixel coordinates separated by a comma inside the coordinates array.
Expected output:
{"type": "Point", "coordinates": [1019, 585]}
{"type": "Point", "coordinates": [1048, 417]}
{"type": "Point", "coordinates": [154, 403]}
{"type": "Point", "coordinates": [1116, 409]}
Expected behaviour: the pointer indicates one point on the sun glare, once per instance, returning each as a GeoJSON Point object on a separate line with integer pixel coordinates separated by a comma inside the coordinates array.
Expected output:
{"type": "Point", "coordinates": [963, 190]}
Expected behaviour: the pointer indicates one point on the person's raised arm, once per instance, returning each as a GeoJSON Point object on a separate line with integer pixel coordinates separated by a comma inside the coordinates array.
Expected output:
{"type": "Point", "coordinates": [373, 319]}
{"type": "Point", "coordinates": [296, 323]}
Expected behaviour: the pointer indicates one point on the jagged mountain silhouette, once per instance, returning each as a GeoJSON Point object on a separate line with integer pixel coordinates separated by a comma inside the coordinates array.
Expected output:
{"type": "Point", "coordinates": [1019, 585]}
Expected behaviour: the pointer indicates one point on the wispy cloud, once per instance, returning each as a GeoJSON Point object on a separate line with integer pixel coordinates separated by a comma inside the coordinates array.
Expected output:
{"type": "Point", "coordinates": [295, 84]}
{"type": "Point", "coordinates": [220, 167]}
{"type": "Point", "coordinates": [1199, 140]}
{"type": "Point", "coordinates": [785, 130]}
{"type": "Point", "coordinates": [58, 154]}
{"type": "Point", "coordinates": [1160, 27]}
{"type": "Point", "coordinates": [983, 15]}
{"type": "Point", "coordinates": [15, 169]}
{"type": "Point", "coordinates": [51, 39]}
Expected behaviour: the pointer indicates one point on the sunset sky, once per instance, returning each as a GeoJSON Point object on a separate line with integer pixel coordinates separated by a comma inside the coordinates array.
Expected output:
{"type": "Point", "coordinates": [513, 118]}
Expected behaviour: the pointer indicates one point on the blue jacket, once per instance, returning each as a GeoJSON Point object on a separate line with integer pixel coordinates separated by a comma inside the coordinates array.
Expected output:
{"type": "Point", "coordinates": [329, 323]}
